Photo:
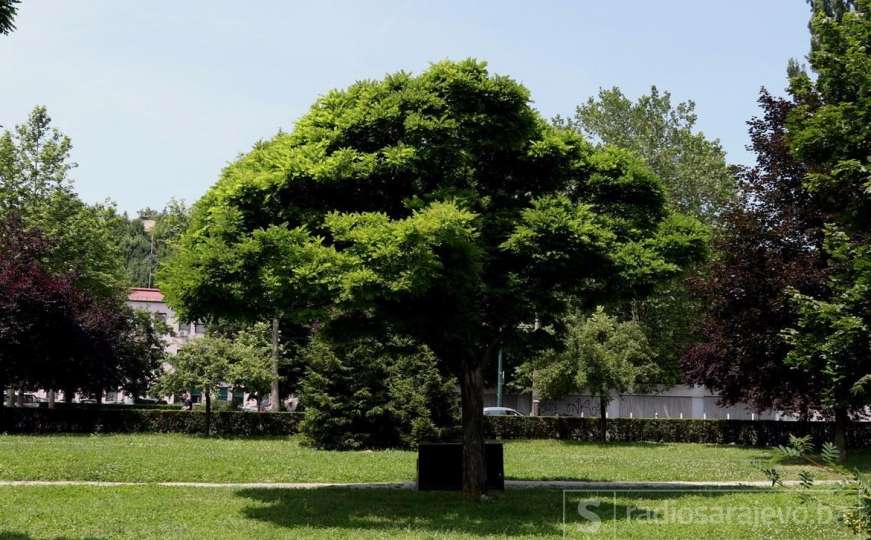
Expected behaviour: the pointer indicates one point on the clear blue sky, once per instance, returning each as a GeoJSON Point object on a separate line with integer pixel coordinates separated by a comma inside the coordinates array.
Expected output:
{"type": "Point", "coordinates": [158, 96]}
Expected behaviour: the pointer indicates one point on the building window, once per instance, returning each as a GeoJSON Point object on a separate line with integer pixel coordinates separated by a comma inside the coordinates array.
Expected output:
{"type": "Point", "coordinates": [199, 328]}
{"type": "Point", "coordinates": [184, 329]}
{"type": "Point", "coordinates": [159, 316]}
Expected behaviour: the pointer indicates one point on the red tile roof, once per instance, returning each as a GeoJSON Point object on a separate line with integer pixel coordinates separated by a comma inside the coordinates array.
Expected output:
{"type": "Point", "coordinates": [141, 294]}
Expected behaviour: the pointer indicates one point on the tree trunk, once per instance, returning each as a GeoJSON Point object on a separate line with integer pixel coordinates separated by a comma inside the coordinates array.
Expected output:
{"type": "Point", "coordinates": [51, 399]}
{"type": "Point", "coordinates": [99, 397]}
{"type": "Point", "coordinates": [474, 471]}
{"type": "Point", "coordinates": [21, 397]}
{"type": "Point", "coordinates": [603, 418]}
{"type": "Point", "coordinates": [69, 394]}
{"type": "Point", "coordinates": [275, 404]}
{"type": "Point", "coordinates": [208, 411]}
{"type": "Point", "coordinates": [10, 398]}
{"type": "Point", "coordinates": [842, 423]}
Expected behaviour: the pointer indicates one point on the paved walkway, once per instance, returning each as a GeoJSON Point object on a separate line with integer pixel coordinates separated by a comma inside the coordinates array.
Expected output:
{"type": "Point", "coordinates": [510, 484]}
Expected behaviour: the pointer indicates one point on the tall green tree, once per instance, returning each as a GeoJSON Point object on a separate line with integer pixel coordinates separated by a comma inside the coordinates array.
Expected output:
{"type": "Point", "coordinates": [35, 186]}
{"type": "Point", "coordinates": [692, 167]}
{"type": "Point", "coordinates": [598, 354]}
{"type": "Point", "coordinates": [830, 131]}
{"type": "Point", "coordinates": [441, 205]}
{"type": "Point", "coordinates": [697, 181]}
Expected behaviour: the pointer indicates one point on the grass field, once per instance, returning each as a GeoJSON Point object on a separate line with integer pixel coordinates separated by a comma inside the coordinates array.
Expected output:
{"type": "Point", "coordinates": [163, 512]}
{"type": "Point", "coordinates": [151, 511]}
{"type": "Point", "coordinates": [162, 457]}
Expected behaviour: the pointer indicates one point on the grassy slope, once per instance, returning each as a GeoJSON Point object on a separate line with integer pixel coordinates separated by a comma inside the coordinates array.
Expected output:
{"type": "Point", "coordinates": [155, 457]}
{"type": "Point", "coordinates": [156, 512]}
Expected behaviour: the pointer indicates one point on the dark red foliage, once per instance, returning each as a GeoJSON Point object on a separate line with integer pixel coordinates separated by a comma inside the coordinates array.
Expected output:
{"type": "Point", "coordinates": [769, 242]}
{"type": "Point", "coordinates": [55, 335]}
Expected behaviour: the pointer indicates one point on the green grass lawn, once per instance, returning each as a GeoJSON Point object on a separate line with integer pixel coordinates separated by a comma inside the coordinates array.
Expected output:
{"type": "Point", "coordinates": [162, 512]}
{"type": "Point", "coordinates": [171, 457]}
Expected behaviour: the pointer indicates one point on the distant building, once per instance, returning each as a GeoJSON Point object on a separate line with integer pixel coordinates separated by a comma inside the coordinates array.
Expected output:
{"type": "Point", "coordinates": [151, 300]}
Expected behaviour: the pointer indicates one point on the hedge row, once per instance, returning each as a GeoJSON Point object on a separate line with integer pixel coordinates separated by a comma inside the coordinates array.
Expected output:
{"type": "Point", "coordinates": [234, 423]}
{"type": "Point", "coordinates": [739, 432]}
{"type": "Point", "coordinates": [128, 420]}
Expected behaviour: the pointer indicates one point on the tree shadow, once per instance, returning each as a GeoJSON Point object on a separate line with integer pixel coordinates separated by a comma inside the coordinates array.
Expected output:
{"type": "Point", "coordinates": [391, 512]}
{"type": "Point", "coordinates": [13, 535]}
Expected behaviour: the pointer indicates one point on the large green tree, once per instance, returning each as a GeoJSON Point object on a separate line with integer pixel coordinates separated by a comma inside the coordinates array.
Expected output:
{"type": "Point", "coordinates": [829, 130]}
{"type": "Point", "coordinates": [36, 188]}
{"type": "Point", "coordinates": [441, 205]}
{"type": "Point", "coordinates": [692, 167]}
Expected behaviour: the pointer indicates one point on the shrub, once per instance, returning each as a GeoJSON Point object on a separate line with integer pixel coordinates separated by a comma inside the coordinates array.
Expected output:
{"type": "Point", "coordinates": [367, 394]}
{"type": "Point", "coordinates": [740, 432]}
{"type": "Point", "coordinates": [129, 420]}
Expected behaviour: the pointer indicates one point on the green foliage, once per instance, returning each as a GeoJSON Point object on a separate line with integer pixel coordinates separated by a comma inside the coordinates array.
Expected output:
{"type": "Point", "coordinates": [599, 354]}
{"type": "Point", "coordinates": [831, 339]}
{"type": "Point", "coordinates": [144, 250]}
{"type": "Point", "coordinates": [200, 364]}
{"type": "Point", "coordinates": [366, 394]}
{"type": "Point", "coordinates": [692, 168]}
{"type": "Point", "coordinates": [117, 419]}
{"type": "Point", "coordinates": [36, 188]}
{"type": "Point", "coordinates": [8, 10]}
{"type": "Point", "coordinates": [252, 370]}
{"type": "Point", "coordinates": [441, 200]}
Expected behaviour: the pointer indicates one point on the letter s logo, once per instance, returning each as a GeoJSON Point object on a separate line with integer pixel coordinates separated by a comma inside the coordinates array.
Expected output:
{"type": "Point", "coordinates": [592, 519]}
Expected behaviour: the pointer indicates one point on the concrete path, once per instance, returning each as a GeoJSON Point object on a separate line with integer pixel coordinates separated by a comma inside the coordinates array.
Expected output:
{"type": "Point", "coordinates": [509, 484]}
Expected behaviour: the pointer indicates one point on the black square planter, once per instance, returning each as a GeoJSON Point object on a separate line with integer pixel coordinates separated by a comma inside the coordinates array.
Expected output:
{"type": "Point", "coordinates": [440, 466]}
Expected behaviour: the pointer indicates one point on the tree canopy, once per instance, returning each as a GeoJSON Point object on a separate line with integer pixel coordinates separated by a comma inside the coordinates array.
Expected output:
{"type": "Point", "coordinates": [440, 204]}
{"type": "Point", "coordinates": [36, 188]}
{"type": "Point", "coordinates": [692, 167]}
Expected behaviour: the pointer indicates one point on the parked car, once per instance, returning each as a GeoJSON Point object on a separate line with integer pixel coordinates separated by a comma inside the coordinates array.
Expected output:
{"type": "Point", "coordinates": [30, 400]}
{"type": "Point", "coordinates": [500, 411]}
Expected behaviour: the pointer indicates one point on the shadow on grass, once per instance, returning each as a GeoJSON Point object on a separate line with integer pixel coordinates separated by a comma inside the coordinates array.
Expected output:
{"type": "Point", "coordinates": [391, 512]}
{"type": "Point", "coordinates": [12, 535]}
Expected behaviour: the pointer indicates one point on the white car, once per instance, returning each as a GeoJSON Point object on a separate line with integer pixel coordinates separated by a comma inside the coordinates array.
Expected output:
{"type": "Point", "coordinates": [500, 411]}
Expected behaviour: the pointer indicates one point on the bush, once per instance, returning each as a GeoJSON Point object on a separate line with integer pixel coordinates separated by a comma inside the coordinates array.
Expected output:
{"type": "Point", "coordinates": [740, 432]}
{"type": "Point", "coordinates": [130, 420]}
{"type": "Point", "coordinates": [367, 394]}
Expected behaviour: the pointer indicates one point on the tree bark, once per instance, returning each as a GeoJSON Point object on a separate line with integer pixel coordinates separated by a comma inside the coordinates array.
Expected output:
{"type": "Point", "coordinates": [842, 423]}
{"type": "Point", "coordinates": [51, 399]}
{"type": "Point", "coordinates": [603, 418]}
{"type": "Point", "coordinates": [208, 411]}
{"type": "Point", "coordinates": [21, 397]}
{"type": "Point", "coordinates": [275, 404]}
{"type": "Point", "coordinates": [69, 393]}
{"type": "Point", "coordinates": [474, 470]}
{"type": "Point", "coordinates": [10, 398]}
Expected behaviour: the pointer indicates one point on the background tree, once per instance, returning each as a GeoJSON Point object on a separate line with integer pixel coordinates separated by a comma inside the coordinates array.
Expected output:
{"type": "Point", "coordinates": [252, 369]}
{"type": "Point", "coordinates": [56, 335]}
{"type": "Point", "coordinates": [36, 187]}
{"type": "Point", "coordinates": [697, 181]}
{"type": "Point", "coordinates": [144, 250]}
{"type": "Point", "coordinates": [831, 338]}
{"type": "Point", "coordinates": [440, 205]}
{"type": "Point", "coordinates": [768, 243]}
{"type": "Point", "coordinates": [829, 131]}
{"type": "Point", "coordinates": [599, 354]}
{"type": "Point", "coordinates": [692, 167]}
{"type": "Point", "coordinates": [204, 364]}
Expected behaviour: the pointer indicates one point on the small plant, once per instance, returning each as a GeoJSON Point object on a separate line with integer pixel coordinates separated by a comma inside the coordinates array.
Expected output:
{"type": "Point", "coordinates": [857, 516]}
